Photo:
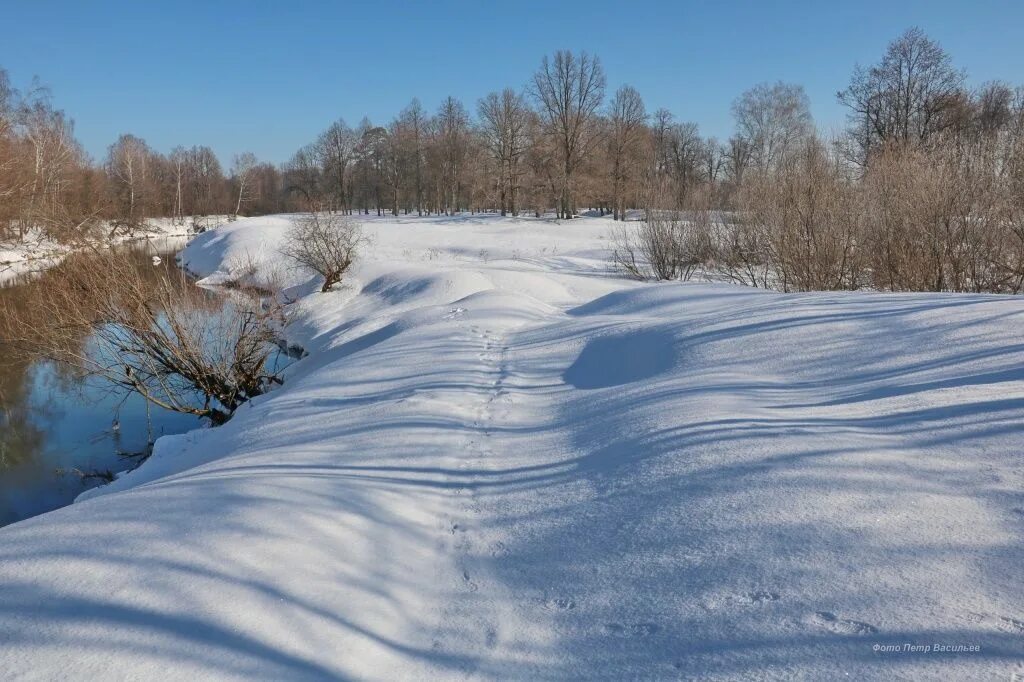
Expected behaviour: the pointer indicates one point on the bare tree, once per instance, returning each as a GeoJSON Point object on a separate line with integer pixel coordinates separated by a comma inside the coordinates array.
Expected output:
{"type": "Point", "coordinates": [772, 120]}
{"type": "Point", "coordinates": [128, 166]}
{"type": "Point", "coordinates": [412, 124]}
{"type": "Point", "coordinates": [906, 98]}
{"type": "Point", "coordinates": [242, 169]}
{"type": "Point", "coordinates": [994, 108]}
{"type": "Point", "coordinates": [178, 162]}
{"type": "Point", "coordinates": [394, 162]}
{"type": "Point", "coordinates": [453, 140]}
{"type": "Point", "coordinates": [207, 192]}
{"type": "Point", "coordinates": [504, 124]}
{"type": "Point", "coordinates": [324, 243]}
{"type": "Point", "coordinates": [713, 155]}
{"type": "Point", "coordinates": [569, 90]}
{"type": "Point", "coordinates": [737, 159]}
{"type": "Point", "coordinates": [55, 156]}
{"type": "Point", "coordinates": [304, 178]}
{"type": "Point", "coordinates": [368, 172]}
{"type": "Point", "coordinates": [15, 179]}
{"type": "Point", "coordinates": [627, 131]}
{"type": "Point", "coordinates": [661, 127]}
{"type": "Point", "coordinates": [335, 149]}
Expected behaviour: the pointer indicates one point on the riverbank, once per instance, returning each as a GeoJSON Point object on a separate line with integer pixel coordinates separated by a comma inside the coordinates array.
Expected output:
{"type": "Point", "coordinates": [501, 460]}
{"type": "Point", "coordinates": [36, 252]}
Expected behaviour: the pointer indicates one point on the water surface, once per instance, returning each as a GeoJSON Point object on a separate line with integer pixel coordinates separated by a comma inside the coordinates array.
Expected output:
{"type": "Point", "coordinates": [55, 427]}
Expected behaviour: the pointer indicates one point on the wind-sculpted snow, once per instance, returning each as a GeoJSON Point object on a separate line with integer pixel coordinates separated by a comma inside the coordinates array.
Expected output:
{"type": "Point", "coordinates": [622, 358]}
{"type": "Point", "coordinates": [499, 460]}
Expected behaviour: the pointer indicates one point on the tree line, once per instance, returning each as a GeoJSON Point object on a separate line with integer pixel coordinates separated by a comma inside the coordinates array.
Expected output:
{"type": "Point", "coordinates": [923, 190]}
{"type": "Point", "coordinates": [48, 183]}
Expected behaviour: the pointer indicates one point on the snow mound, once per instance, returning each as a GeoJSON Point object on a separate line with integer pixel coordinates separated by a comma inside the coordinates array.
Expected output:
{"type": "Point", "coordinates": [247, 245]}
{"type": "Point", "coordinates": [422, 286]}
{"type": "Point", "coordinates": [622, 358]}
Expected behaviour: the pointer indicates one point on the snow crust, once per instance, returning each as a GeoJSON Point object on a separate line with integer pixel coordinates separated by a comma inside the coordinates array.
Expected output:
{"type": "Point", "coordinates": [501, 460]}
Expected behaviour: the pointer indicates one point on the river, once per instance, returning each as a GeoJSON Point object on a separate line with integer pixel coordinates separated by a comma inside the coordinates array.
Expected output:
{"type": "Point", "coordinates": [55, 427]}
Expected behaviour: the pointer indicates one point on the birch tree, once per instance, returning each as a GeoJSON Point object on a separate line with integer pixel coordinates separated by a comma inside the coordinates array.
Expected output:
{"type": "Point", "coordinates": [773, 120]}
{"type": "Point", "coordinates": [242, 168]}
{"type": "Point", "coordinates": [127, 167]}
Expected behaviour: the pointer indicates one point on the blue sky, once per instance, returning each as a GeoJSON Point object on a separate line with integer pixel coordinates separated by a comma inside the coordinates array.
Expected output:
{"type": "Point", "coordinates": [268, 76]}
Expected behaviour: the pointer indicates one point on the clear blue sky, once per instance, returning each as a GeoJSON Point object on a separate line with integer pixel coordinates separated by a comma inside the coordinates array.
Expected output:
{"type": "Point", "coordinates": [268, 76]}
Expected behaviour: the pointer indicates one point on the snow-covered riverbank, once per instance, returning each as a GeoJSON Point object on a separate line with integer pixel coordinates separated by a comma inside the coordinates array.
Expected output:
{"type": "Point", "coordinates": [501, 460]}
{"type": "Point", "coordinates": [36, 252]}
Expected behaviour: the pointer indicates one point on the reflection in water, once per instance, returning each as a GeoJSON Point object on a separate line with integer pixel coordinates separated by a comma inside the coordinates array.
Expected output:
{"type": "Point", "coordinates": [52, 423]}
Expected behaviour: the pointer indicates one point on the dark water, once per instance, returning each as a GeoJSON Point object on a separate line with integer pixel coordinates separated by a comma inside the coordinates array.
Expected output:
{"type": "Point", "coordinates": [52, 423]}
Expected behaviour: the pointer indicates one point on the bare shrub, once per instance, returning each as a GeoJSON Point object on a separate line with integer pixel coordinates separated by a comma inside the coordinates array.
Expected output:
{"type": "Point", "coordinates": [743, 251]}
{"type": "Point", "coordinates": [943, 219]}
{"type": "Point", "coordinates": [242, 270]}
{"type": "Point", "coordinates": [149, 331]}
{"type": "Point", "coordinates": [902, 216]}
{"type": "Point", "coordinates": [255, 273]}
{"type": "Point", "coordinates": [665, 246]}
{"type": "Point", "coordinates": [798, 229]}
{"type": "Point", "coordinates": [324, 243]}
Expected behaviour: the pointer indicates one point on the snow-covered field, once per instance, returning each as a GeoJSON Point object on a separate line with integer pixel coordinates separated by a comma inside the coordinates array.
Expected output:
{"type": "Point", "coordinates": [500, 460]}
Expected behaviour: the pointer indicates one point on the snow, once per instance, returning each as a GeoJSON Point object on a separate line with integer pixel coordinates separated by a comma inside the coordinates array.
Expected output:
{"type": "Point", "coordinates": [500, 460]}
{"type": "Point", "coordinates": [35, 252]}
{"type": "Point", "coordinates": [28, 255]}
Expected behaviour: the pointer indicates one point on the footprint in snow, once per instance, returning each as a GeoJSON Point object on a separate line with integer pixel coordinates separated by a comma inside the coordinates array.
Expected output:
{"type": "Point", "coordinates": [559, 604]}
{"type": "Point", "coordinates": [756, 597]}
{"type": "Point", "coordinates": [1004, 623]}
{"type": "Point", "coordinates": [841, 626]}
{"type": "Point", "coordinates": [1011, 625]}
{"type": "Point", "coordinates": [631, 629]}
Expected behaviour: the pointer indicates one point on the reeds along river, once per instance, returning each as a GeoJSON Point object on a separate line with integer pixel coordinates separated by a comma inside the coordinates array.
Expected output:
{"type": "Point", "coordinates": [56, 426]}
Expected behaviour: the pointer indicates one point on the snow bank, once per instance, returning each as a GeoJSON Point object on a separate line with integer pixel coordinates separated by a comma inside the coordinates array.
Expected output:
{"type": "Point", "coordinates": [500, 460]}
{"type": "Point", "coordinates": [35, 252]}
{"type": "Point", "coordinates": [31, 254]}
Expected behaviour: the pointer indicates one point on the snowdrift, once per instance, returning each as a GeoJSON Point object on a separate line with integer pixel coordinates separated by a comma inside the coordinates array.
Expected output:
{"type": "Point", "coordinates": [500, 460]}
